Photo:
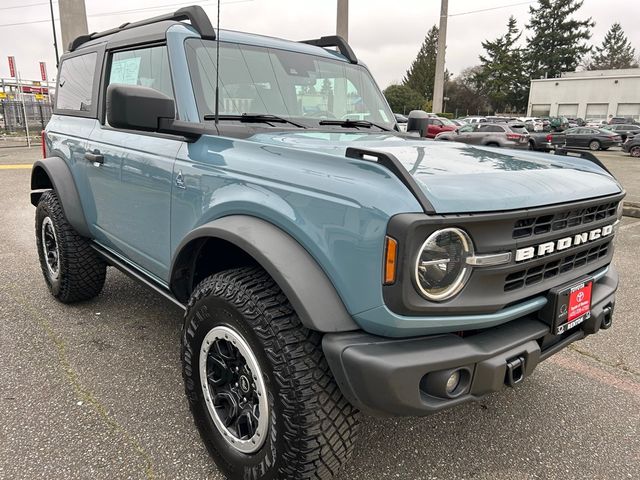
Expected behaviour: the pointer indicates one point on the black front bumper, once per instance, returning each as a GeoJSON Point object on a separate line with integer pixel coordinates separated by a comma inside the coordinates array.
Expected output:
{"type": "Point", "coordinates": [383, 376]}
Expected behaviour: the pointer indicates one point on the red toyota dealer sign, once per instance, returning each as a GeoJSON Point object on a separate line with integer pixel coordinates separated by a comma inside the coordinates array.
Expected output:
{"type": "Point", "coordinates": [579, 301]}
{"type": "Point", "coordinates": [12, 66]}
{"type": "Point", "coordinates": [43, 71]}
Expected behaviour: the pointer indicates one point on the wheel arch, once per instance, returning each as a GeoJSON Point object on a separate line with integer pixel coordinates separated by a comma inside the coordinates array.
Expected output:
{"type": "Point", "coordinates": [52, 173]}
{"type": "Point", "coordinates": [240, 240]}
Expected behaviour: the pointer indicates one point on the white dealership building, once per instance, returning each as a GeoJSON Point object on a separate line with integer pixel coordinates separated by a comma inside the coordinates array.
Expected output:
{"type": "Point", "coordinates": [596, 94]}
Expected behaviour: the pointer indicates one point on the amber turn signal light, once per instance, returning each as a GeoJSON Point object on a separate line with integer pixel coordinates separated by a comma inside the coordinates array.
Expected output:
{"type": "Point", "coordinates": [390, 260]}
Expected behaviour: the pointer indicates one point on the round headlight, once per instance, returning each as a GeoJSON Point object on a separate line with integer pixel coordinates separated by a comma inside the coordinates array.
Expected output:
{"type": "Point", "coordinates": [441, 267]}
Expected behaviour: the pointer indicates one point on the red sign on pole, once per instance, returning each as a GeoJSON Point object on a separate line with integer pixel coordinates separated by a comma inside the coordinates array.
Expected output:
{"type": "Point", "coordinates": [12, 66]}
{"type": "Point", "coordinates": [43, 71]}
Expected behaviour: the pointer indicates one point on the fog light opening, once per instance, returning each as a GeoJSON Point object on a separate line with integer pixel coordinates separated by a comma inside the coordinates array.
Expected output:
{"type": "Point", "coordinates": [453, 382]}
{"type": "Point", "coordinates": [447, 384]}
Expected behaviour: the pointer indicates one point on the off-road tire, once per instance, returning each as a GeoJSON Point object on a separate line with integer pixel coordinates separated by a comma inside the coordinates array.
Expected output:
{"type": "Point", "coordinates": [312, 427]}
{"type": "Point", "coordinates": [594, 145]}
{"type": "Point", "coordinates": [81, 270]}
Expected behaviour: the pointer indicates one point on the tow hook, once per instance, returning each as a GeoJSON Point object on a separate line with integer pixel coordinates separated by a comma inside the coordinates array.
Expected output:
{"type": "Point", "coordinates": [515, 371]}
{"type": "Point", "coordinates": [607, 317]}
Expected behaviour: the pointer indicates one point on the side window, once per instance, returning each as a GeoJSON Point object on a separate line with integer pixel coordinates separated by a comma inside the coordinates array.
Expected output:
{"type": "Point", "coordinates": [437, 123]}
{"type": "Point", "coordinates": [491, 128]}
{"type": "Point", "coordinates": [75, 85]}
{"type": "Point", "coordinates": [147, 67]}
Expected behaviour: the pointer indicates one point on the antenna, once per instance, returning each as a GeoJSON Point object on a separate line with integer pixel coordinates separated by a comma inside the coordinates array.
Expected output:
{"type": "Point", "coordinates": [217, 112]}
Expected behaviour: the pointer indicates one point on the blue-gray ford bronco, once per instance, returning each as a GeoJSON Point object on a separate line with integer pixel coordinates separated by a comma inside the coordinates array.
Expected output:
{"type": "Point", "coordinates": [327, 263]}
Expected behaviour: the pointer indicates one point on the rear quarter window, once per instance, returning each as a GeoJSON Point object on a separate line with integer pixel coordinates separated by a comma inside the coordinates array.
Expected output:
{"type": "Point", "coordinates": [76, 82]}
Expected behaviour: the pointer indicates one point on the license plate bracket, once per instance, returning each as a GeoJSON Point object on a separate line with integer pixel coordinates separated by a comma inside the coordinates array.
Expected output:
{"type": "Point", "coordinates": [568, 306]}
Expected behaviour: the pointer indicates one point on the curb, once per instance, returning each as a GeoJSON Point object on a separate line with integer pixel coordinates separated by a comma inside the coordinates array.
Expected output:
{"type": "Point", "coordinates": [631, 209]}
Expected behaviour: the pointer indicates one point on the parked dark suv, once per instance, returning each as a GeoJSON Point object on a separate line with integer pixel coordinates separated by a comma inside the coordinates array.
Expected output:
{"type": "Point", "coordinates": [632, 146]}
{"type": "Point", "coordinates": [625, 130]}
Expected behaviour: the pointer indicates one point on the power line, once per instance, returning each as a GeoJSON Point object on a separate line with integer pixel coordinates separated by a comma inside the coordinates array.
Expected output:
{"type": "Point", "coordinates": [25, 6]}
{"type": "Point", "coordinates": [492, 8]}
{"type": "Point", "coordinates": [120, 12]}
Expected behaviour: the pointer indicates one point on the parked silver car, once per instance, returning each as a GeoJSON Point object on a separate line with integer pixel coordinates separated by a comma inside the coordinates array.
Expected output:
{"type": "Point", "coordinates": [513, 135]}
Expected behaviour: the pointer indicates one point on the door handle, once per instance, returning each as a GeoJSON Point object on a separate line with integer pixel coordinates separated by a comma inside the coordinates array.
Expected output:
{"type": "Point", "coordinates": [94, 157]}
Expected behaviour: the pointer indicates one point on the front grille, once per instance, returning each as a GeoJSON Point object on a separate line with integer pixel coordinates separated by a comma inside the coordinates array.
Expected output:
{"type": "Point", "coordinates": [527, 227]}
{"type": "Point", "coordinates": [533, 275]}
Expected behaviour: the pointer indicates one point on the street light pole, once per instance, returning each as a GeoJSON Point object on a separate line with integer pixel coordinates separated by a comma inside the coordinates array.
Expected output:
{"type": "Point", "coordinates": [55, 39]}
{"type": "Point", "coordinates": [73, 20]}
{"type": "Point", "coordinates": [438, 87]}
{"type": "Point", "coordinates": [342, 23]}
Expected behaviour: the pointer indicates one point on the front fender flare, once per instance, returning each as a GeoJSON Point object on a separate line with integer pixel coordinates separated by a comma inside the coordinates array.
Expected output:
{"type": "Point", "coordinates": [54, 173]}
{"type": "Point", "coordinates": [302, 280]}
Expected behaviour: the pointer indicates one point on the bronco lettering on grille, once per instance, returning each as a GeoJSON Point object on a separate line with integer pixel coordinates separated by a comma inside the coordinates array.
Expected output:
{"type": "Point", "coordinates": [562, 244]}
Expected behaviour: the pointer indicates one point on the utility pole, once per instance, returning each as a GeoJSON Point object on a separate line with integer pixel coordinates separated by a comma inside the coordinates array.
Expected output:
{"type": "Point", "coordinates": [342, 23]}
{"type": "Point", "coordinates": [73, 20]}
{"type": "Point", "coordinates": [438, 87]}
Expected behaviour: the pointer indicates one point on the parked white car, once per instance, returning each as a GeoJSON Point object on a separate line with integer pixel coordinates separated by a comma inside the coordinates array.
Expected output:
{"type": "Point", "coordinates": [475, 119]}
{"type": "Point", "coordinates": [595, 123]}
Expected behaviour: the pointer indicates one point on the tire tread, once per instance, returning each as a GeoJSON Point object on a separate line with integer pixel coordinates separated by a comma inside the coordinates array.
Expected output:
{"type": "Point", "coordinates": [82, 270]}
{"type": "Point", "coordinates": [321, 426]}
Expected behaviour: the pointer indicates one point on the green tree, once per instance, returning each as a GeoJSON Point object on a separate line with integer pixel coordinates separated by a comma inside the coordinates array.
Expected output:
{"type": "Point", "coordinates": [466, 96]}
{"type": "Point", "coordinates": [558, 41]}
{"type": "Point", "coordinates": [421, 73]}
{"type": "Point", "coordinates": [615, 52]}
{"type": "Point", "coordinates": [502, 73]}
{"type": "Point", "coordinates": [403, 99]}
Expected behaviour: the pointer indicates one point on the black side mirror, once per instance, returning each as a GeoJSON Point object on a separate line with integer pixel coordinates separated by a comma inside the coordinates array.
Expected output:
{"type": "Point", "coordinates": [418, 122]}
{"type": "Point", "coordinates": [134, 107]}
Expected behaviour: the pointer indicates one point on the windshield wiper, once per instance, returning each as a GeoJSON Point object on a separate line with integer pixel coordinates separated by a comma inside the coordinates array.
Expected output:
{"type": "Point", "coordinates": [256, 118]}
{"type": "Point", "coordinates": [353, 123]}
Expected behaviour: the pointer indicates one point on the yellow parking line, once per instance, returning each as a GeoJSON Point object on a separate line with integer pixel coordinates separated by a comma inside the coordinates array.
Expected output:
{"type": "Point", "coordinates": [17, 166]}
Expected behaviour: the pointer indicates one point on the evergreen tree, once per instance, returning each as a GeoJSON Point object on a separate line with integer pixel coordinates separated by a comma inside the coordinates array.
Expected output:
{"type": "Point", "coordinates": [403, 99]}
{"type": "Point", "coordinates": [558, 41]}
{"type": "Point", "coordinates": [421, 74]}
{"type": "Point", "coordinates": [615, 52]}
{"type": "Point", "coordinates": [466, 95]}
{"type": "Point", "coordinates": [502, 75]}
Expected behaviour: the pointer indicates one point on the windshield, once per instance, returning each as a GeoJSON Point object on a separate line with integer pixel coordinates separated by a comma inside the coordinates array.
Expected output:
{"type": "Point", "coordinates": [447, 122]}
{"type": "Point", "coordinates": [293, 85]}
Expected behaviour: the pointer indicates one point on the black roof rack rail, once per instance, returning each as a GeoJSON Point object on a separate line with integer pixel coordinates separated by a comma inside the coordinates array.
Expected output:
{"type": "Point", "coordinates": [195, 14]}
{"type": "Point", "coordinates": [570, 152]}
{"type": "Point", "coordinates": [334, 41]}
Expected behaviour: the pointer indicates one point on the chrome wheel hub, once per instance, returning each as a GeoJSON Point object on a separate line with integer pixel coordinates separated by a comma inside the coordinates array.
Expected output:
{"type": "Point", "coordinates": [50, 248]}
{"type": "Point", "coordinates": [234, 390]}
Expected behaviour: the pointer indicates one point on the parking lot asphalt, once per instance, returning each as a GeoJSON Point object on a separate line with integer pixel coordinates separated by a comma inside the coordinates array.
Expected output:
{"type": "Point", "coordinates": [94, 390]}
{"type": "Point", "coordinates": [626, 169]}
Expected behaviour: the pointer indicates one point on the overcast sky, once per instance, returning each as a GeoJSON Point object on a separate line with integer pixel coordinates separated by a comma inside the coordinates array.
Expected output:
{"type": "Point", "coordinates": [386, 35]}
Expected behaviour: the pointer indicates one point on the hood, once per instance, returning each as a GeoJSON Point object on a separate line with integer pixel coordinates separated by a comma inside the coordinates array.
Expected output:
{"type": "Point", "coordinates": [461, 178]}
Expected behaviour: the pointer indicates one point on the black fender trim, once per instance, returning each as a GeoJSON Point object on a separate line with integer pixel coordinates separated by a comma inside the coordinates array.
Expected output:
{"type": "Point", "coordinates": [53, 173]}
{"type": "Point", "coordinates": [305, 284]}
